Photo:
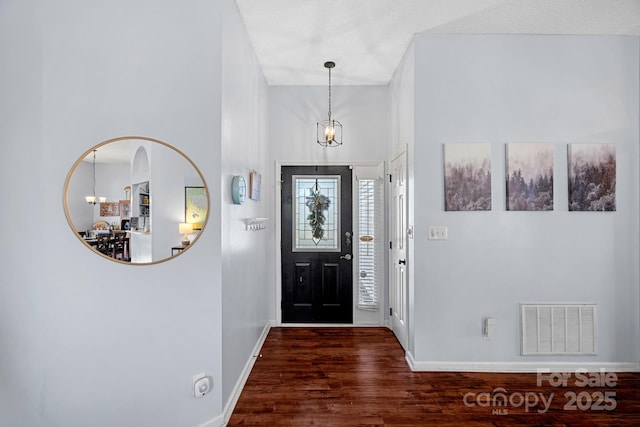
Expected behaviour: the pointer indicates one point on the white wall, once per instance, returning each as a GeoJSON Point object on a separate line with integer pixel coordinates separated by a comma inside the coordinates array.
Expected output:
{"type": "Point", "coordinates": [24, 283]}
{"type": "Point", "coordinates": [111, 178]}
{"type": "Point", "coordinates": [402, 104]}
{"type": "Point", "coordinates": [501, 89]}
{"type": "Point", "coordinates": [86, 341]}
{"type": "Point", "coordinates": [295, 110]}
{"type": "Point", "coordinates": [247, 258]}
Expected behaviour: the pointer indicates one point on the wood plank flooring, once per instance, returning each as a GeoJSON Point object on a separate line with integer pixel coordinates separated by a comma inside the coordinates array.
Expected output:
{"type": "Point", "coordinates": [358, 377]}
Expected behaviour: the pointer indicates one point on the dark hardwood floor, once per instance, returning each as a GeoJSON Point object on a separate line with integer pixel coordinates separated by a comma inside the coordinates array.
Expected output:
{"type": "Point", "coordinates": [358, 376]}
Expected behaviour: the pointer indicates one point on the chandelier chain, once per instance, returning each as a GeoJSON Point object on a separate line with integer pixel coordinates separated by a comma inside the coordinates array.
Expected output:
{"type": "Point", "coordinates": [329, 94]}
{"type": "Point", "coordinates": [94, 173]}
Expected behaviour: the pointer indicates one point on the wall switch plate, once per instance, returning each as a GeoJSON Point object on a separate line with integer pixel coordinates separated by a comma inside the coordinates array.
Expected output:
{"type": "Point", "coordinates": [438, 232]}
{"type": "Point", "coordinates": [488, 328]}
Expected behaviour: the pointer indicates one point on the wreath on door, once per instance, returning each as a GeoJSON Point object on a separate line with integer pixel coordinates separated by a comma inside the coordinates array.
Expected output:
{"type": "Point", "coordinates": [317, 204]}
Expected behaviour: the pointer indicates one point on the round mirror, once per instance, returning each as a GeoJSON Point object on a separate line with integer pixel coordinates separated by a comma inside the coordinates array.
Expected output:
{"type": "Point", "coordinates": [136, 200]}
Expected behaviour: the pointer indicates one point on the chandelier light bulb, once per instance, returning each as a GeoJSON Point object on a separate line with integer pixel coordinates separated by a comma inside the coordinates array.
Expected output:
{"type": "Point", "coordinates": [329, 133]}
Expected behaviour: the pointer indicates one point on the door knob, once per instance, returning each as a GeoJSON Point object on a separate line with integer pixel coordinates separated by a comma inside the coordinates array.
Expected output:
{"type": "Point", "coordinates": [402, 261]}
{"type": "Point", "coordinates": [346, 256]}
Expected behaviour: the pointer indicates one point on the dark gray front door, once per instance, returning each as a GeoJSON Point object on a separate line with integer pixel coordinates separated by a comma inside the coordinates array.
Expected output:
{"type": "Point", "coordinates": [317, 270]}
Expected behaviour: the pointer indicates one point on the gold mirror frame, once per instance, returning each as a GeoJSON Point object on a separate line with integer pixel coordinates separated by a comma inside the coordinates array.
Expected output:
{"type": "Point", "coordinates": [65, 197]}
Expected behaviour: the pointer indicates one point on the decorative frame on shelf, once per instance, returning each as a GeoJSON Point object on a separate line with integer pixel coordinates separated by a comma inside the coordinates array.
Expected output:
{"type": "Point", "coordinates": [255, 181]}
{"type": "Point", "coordinates": [195, 206]}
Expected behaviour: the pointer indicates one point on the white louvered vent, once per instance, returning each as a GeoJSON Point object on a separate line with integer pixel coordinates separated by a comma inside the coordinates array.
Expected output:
{"type": "Point", "coordinates": [558, 329]}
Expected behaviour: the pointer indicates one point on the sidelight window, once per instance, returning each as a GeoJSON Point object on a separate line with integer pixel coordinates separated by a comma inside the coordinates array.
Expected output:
{"type": "Point", "coordinates": [370, 236]}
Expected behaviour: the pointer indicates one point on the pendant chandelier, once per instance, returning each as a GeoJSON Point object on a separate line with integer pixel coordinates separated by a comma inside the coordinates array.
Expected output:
{"type": "Point", "coordinates": [329, 132]}
{"type": "Point", "coordinates": [92, 199]}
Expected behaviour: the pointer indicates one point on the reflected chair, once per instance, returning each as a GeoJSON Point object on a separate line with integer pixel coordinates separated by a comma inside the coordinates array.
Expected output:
{"type": "Point", "coordinates": [104, 243]}
{"type": "Point", "coordinates": [120, 246]}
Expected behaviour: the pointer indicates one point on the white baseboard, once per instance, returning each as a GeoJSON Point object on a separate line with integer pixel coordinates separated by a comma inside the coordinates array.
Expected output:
{"type": "Point", "coordinates": [237, 389]}
{"type": "Point", "coordinates": [214, 422]}
{"type": "Point", "coordinates": [524, 367]}
{"type": "Point", "coordinates": [223, 419]}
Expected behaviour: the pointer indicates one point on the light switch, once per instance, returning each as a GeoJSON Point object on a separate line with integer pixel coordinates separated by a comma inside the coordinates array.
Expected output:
{"type": "Point", "coordinates": [488, 328]}
{"type": "Point", "coordinates": [438, 232]}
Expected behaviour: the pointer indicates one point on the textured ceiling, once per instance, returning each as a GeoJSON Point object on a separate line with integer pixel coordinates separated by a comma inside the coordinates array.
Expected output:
{"type": "Point", "coordinates": [367, 38]}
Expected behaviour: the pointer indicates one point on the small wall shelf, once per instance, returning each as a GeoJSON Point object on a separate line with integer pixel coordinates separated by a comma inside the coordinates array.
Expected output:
{"type": "Point", "coordinates": [255, 224]}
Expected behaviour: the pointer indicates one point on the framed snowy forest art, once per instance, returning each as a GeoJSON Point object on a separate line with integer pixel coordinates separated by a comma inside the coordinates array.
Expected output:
{"type": "Point", "coordinates": [529, 176]}
{"type": "Point", "coordinates": [592, 177]}
{"type": "Point", "coordinates": [467, 176]}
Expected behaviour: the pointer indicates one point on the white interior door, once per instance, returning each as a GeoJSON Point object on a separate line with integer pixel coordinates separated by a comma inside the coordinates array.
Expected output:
{"type": "Point", "coordinates": [398, 302]}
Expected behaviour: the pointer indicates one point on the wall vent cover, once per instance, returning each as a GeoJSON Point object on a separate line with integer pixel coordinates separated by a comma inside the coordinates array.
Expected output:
{"type": "Point", "coordinates": [558, 329]}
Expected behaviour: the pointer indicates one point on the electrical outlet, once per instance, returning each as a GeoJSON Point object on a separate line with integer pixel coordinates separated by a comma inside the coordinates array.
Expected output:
{"type": "Point", "coordinates": [202, 384]}
{"type": "Point", "coordinates": [438, 232]}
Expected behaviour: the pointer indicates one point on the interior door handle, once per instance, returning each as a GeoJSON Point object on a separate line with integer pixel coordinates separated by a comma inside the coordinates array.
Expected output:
{"type": "Point", "coordinates": [402, 261]}
{"type": "Point", "coordinates": [346, 256]}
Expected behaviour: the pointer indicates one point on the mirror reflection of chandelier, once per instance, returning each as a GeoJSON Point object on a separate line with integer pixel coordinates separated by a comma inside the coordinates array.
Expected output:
{"type": "Point", "coordinates": [92, 199]}
{"type": "Point", "coordinates": [329, 132]}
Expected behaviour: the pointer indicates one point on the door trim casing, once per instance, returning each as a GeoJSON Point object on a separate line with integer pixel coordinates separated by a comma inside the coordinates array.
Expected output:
{"type": "Point", "coordinates": [278, 236]}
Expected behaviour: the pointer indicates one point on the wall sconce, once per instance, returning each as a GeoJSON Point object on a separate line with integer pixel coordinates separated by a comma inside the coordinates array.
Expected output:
{"type": "Point", "coordinates": [185, 229]}
{"type": "Point", "coordinates": [329, 132]}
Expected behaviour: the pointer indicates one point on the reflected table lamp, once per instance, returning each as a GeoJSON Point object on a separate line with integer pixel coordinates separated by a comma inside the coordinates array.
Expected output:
{"type": "Point", "coordinates": [185, 229]}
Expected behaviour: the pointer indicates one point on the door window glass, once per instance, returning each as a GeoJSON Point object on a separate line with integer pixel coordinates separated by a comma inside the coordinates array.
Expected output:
{"type": "Point", "coordinates": [316, 208]}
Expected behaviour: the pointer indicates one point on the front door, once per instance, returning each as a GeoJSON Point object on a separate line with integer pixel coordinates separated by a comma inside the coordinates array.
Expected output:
{"type": "Point", "coordinates": [317, 266]}
{"type": "Point", "coordinates": [398, 298]}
